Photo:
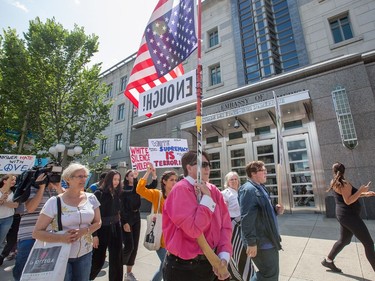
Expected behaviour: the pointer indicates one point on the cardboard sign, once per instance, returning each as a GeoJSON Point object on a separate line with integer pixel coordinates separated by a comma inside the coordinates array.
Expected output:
{"type": "Point", "coordinates": [15, 164]}
{"type": "Point", "coordinates": [166, 153]}
{"type": "Point", "coordinates": [139, 157]}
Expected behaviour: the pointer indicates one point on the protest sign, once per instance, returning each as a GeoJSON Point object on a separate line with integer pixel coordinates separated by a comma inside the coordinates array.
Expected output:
{"type": "Point", "coordinates": [139, 157]}
{"type": "Point", "coordinates": [166, 153]}
{"type": "Point", "coordinates": [15, 164]}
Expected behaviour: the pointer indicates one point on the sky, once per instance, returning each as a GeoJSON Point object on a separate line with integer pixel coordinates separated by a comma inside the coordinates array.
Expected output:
{"type": "Point", "coordinates": [118, 23]}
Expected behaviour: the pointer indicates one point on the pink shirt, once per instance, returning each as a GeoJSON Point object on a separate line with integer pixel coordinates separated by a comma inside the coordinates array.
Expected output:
{"type": "Point", "coordinates": [184, 220]}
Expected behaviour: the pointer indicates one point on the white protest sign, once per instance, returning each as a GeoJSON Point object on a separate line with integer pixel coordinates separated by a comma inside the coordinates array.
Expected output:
{"type": "Point", "coordinates": [169, 94]}
{"type": "Point", "coordinates": [139, 157]}
{"type": "Point", "coordinates": [15, 164]}
{"type": "Point", "coordinates": [165, 153]}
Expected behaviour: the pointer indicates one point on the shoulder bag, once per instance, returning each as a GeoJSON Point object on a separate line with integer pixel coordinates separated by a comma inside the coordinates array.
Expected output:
{"type": "Point", "coordinates": [154, 229]}
{"type": "Point", "coordinates": [47, 261]}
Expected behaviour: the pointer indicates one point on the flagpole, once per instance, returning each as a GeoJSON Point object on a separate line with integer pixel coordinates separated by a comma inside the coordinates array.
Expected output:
{"type": "Point", "coordinates": [219, 268]}
{"type": "Point", "coordinates": [279, 143]}
{"type": "Point", "coordinates": [198, 119]}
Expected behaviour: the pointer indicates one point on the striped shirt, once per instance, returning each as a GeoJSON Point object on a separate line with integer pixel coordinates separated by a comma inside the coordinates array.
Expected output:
{"type": "Point", "coordinates": [28, 220]}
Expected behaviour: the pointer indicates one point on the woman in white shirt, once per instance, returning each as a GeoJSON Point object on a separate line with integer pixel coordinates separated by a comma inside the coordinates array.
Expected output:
{"type": "Point", "coordinates": [230, 194]}
{"type": "Point", "coordinates": [240, 266]}
{"type": "Point", "coordinates": [80, 218]}
{"type": "Point", "coordinates": [6, 207]}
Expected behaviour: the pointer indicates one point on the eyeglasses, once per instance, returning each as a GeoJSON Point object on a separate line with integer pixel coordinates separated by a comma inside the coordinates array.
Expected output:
{"type": "Point", "coordinates": [262, 170]}
{"type": "Point", "coordinates": [80, 177]}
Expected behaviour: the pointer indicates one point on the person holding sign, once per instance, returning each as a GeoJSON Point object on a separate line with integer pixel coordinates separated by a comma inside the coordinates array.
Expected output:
{"type": "Point", "coordinates": [131, 219]}
{"type": "Point", "coordinates": [186, 217]}
{"type": "Point", "coordinates": [6, 208]}
{"type": "Point", "coordinates": [167, 181]}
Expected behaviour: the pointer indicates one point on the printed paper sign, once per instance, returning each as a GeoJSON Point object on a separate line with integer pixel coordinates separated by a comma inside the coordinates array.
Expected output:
{"type": "Point", "coordinates": [15, 164]}
{"type": "Point", "coordinates": [165, 153]}
{"type": "Point", "coordinates": [169, 94]}
{"type": "Point", "coordinates": [139, 157]}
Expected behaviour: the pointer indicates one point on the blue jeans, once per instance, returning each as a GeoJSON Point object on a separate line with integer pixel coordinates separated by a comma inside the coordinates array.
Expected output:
{"type": "Point", "coordinates": [23, 250]}
{"type": "Point", "coordinates": [159, 274]}
{"type": "Point", "coordinates": [78, 269]}
{"type": "Point", "coordinates": [267, 262]}
{"type": "Point", "coordinates": [5, 224]}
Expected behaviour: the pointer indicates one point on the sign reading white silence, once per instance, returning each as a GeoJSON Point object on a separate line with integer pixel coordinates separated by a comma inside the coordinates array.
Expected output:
{"type": "Point", "coordinates": [15, 164]}
{"type": "Point", "coordinates": [166, 153]}
{"type": "Point", "coordinates": [169, 94]}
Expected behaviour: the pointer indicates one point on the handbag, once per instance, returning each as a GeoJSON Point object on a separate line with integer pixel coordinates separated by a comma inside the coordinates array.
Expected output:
{"type": "Point", "coordinates": [47, 261]}
{"type": "Point", "coordinates": [154, 229]}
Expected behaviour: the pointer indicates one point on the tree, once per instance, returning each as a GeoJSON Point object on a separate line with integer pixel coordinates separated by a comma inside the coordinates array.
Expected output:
{"type": "Point", "coordinates": [50, 91]}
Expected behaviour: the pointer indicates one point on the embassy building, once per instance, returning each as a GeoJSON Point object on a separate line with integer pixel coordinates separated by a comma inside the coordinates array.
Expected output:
{"type": "Point", "coordinates": [318, 56]}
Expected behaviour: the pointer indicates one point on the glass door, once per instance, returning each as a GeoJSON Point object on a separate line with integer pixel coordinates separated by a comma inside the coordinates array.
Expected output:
{"type": "Point", "coordinates": [300, 171]}
{"type": "Point", "coordinates": [237, 161]}
{"type": "Point", "coordinates": [265, 151]}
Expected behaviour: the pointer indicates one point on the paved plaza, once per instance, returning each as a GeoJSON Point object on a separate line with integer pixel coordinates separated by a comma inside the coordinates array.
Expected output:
{"type": "Point", "coordinates": [306, 239]}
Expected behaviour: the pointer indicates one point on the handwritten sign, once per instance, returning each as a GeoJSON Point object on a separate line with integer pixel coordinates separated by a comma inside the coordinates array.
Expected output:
{"type": "Point", "coordinates": [139, 157]}
{"type": "Point", "coordinates": [15, 164]}
{"type": "Point", "coordinates": [165, 153]}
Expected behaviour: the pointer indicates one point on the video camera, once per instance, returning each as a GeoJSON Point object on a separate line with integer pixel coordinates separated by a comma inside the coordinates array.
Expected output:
{"type": "Point", "coordinates": [28, 178]}
{"type": "Point", "coordinates": [52, 171]}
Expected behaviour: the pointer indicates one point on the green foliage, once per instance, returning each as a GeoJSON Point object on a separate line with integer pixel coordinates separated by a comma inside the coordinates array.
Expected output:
{"type": "Point", "coordinates": [48, 88]}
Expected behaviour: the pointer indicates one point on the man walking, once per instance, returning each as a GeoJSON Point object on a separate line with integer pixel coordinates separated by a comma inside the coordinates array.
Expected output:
{"type": "Point", "coordinates": [260, 232]}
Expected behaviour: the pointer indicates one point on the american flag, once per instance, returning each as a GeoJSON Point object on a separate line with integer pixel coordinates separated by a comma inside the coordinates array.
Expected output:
{"type": "Point", "coordinates": [169, 38]}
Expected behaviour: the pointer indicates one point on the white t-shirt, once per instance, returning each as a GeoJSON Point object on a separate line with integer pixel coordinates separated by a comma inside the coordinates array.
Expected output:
{"type": "Point", "coordinates": [74, 218]}
{"type": "Point", "coordinates": [6, 212]}
{"type": "Point", "coordinates": [231, 199]}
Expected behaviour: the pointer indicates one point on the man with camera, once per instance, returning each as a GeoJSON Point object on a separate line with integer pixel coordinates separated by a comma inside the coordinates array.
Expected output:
{"type": "Point", "coordinates": [45, 186]}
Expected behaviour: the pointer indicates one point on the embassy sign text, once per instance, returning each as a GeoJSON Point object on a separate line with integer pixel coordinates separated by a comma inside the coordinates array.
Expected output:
{"type": "Point", "coordinates": [169, 94]}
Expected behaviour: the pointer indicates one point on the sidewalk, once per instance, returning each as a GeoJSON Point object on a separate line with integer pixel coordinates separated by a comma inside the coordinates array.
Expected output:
{"type": "Point", "coordinates": [306, 239]}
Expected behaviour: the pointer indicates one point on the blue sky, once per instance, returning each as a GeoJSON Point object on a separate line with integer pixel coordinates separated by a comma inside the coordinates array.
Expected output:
{"type": "Point", "coordinates": [118, 23]}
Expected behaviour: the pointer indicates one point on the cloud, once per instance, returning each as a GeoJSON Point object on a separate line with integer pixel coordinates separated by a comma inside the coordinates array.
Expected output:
{"type": "Point", "coordinates": [20, 6]}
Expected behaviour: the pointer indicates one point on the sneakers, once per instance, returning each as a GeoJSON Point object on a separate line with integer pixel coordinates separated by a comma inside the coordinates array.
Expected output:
{"type": "Point", "coordinates": [11, 256]}
{"type": "Point", "coordinates": [130, 277]}
{"type": "Point", "coordinates": [330, 265]}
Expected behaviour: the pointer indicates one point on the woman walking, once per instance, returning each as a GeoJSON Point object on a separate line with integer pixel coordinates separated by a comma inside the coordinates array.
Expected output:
{"type": "Point", "coordinates": [6, 208]}
{"type": "Point", "coordinates": [240, 265]}
{"type": "Point", "coordinates": [156, 196]}
{"type": "Point", "coordinates": [109, 235]}
{"type": "Point", "coordinates": [131, 220]}
{"type": "Point", "coordinates": [348, 211]}
{"type": "Point", "coordinates": [80, 217]}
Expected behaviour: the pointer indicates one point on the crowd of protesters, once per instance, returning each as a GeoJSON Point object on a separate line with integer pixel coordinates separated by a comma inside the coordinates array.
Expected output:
{"type": "Point", "coordinates": [204, 230]}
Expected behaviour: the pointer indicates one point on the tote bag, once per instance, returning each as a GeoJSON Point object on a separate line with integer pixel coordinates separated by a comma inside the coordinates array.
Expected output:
{"type": "Point", "coordinates": [154, 229]}
{"type": "Point", "coordinates": [47, 261]}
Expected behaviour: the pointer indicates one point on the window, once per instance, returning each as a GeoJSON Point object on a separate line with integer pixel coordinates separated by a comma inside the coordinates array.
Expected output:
{"type": "Point", "coordinates": [344, 117]}
{"type": "Point", "coordinates": [123, 82]}
{"type": "Point", "coordinates": [109, 93]}
{"type": "Point", "coordinates": [341, 29]}
{"type": "Point", "coordinates": [118, 142]}
{"type": "Point", "coordinates": [103, 146]}
{"type": "Point", "coordinates": [213, 37]}
{"type": "Point", "coordinates": [215, 75]}
{"type": "Point", "coordinates": [121, 112]}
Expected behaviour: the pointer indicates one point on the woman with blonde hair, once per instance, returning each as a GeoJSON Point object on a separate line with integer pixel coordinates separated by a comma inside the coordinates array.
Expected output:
{"type": "Point", "coordinates": [348, 211]}
{"type": "Point", "coordinates": [80, 217]}
{"type": "Point", "coordinates": [240, 266]}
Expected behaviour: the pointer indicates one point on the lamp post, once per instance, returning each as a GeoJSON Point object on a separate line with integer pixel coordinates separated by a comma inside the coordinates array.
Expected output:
{"type": "Point", "coordinates": [64, 150]}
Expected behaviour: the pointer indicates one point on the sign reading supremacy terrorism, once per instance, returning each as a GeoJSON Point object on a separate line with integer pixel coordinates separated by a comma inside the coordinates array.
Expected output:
{"type": "Point", "coordinates": [169, 94]}
{"type": "Point", "coordinates": [166, 153]}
